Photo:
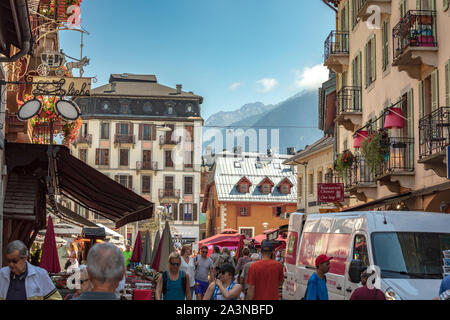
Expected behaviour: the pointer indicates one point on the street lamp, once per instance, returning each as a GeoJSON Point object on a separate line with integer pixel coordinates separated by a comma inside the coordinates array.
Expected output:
{"type": "Point", "coordinates": [64, 108]}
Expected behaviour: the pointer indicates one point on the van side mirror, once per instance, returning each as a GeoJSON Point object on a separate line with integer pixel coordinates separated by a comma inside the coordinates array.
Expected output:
{"type": "Point", "coordinates": [354, 272]}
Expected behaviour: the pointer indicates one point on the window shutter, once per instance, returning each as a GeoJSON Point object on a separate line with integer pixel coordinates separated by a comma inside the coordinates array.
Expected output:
{"type": "Point", "coordinates": [373, 56]}
{"type": "Point", "coordinates": [274, 211]}
{"type": "Point", "coordinates": [131, 126]}
{"type": "Point", "coordinates": [366, 63]}
{"type": "Point", "coordinates": [435, 90]}
{"type": "Point", "coordinates": [421, 105]}
{"type": "Point", "coordinates": [194, 212]}
{"type": "Point", "coordinates": [117, 128]}
{"type": "Point", "coordinates": [447, 80]}
{"type": "Point", "coordinates": [418, 4]}
{"type": "Point", "coordinates": [410, 116]}
{"type": "Point", "coordinates": [175, 211]}
{"type": "Point", "coordinates": [130, 182]}
{"type": "Point", "coordinates": [97, 157]}
{"type": "Point", "coordinates": [153, 132]}
{"type": "Point", "coordinates": [181, 212]}
{"type": "Point", "coordinates": [249, 211]}
{"type": "Point", "coordinates": [116, 177]}
{"type": "Point", "coordinates": [106, 157]}
{"type": "Point", "coordinates": [140, 131]}
{"type": "Point", "coordinates": [446, 4]}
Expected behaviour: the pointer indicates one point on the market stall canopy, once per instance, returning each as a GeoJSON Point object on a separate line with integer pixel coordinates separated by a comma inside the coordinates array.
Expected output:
{"type": "Point", "coordinates": [81, 183]}
{"type": "Point", "coordinates": [64, 229]}
{"type": "Point", "coordinates": [222, 240]}
{"type": "Point", "coordinates": [74, 217]}
{"type": "Point", "coordinates": [165, 248]}
{"type": "Point", "coordinates": [147, 250]}
{"type": "Point", "coordinates": [259, 238]}
{"type": "Point", "coordinates": [137, 249]}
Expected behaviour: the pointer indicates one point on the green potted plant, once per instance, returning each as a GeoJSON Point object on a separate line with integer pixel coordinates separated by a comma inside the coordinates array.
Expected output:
{"type": "Point", "coordinates": [375, 149]}
{"type": "Point", "coordinates": [344, 162]}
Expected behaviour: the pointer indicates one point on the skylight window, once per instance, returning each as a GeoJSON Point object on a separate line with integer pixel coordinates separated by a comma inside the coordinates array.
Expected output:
{"type": "Point", "coordinates": [259, 165]}
{"type": "Point", "coordinates": [277, 166]}
{"type": "Point", "coordinates": [237, 164]}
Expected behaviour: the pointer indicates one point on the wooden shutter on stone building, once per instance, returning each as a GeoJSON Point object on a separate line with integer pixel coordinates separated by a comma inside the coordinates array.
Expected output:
{"type": "Point", "coordinates": [117, 128]}
{"type": "Point", "coordinates": [130, 182]}
{"type": "Point", "coordinates": [181, 212]}
{"type": "Point", "coordinates": [97, 157]}
{"type": "Point", "coordinates": [153, 130]}
{"type": "Point", "coordinates": [194, 212]}
{"type": "Point", "coordinates": [140, 131]}
{"type": "Point", "coordinates": [175, 211]}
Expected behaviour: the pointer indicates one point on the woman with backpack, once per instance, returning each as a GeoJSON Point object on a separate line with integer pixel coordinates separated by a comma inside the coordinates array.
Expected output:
{"type": "Point", "coordinates": [174, 283]}
{"type": "Point", "coordinates": [224, 288]}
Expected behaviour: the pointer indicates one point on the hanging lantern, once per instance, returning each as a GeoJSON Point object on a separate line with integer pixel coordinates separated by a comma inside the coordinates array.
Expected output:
{"type": "Point", "coordinates": [360, 137]}
{"type": "Point", "coordinates": [394, 119]}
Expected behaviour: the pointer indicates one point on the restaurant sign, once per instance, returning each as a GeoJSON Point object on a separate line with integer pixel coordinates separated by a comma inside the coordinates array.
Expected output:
{"type": "Point", "coordinates": [330, 192]}
{"type": "Point", "coordinates": [55, 86]}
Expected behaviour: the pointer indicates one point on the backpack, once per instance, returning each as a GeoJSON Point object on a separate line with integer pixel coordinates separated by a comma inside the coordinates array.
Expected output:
{"type": "Point", "coordinates": [166, 277]}
{"type": "Point", "coordinates": [223, 260]}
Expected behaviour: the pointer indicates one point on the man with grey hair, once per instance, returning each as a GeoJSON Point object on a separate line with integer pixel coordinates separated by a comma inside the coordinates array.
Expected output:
{"type": "Point", "coordinates": [106, 268]}
{"type": "Point", "coordinates": [20, 280]}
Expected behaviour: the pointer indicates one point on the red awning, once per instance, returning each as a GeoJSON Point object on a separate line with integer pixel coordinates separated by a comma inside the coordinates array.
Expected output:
{"type": "Point", "coordinates": [221, 240]}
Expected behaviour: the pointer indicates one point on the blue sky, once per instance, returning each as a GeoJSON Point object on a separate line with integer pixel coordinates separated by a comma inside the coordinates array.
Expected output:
{"type": "Point", "coordinates": [231, 52]}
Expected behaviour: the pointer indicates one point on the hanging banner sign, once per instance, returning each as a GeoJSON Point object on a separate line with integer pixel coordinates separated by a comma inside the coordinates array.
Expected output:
{"type": "Point", "coordinates": [55, 86]}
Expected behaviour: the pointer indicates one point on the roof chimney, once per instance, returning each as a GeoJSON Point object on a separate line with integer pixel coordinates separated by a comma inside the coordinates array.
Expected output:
{"type": "Point", "coordinates": [291, 151]}
{"type": "Point", "coordinates": [179, 87]}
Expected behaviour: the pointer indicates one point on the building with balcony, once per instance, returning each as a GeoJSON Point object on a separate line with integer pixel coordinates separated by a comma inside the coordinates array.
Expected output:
{"type": "Point", "coordinates": [249, 192]}
{"type": "Point", "coordinates": [147, 137]}
{"type": "Point", "coordinates": [392, 101]}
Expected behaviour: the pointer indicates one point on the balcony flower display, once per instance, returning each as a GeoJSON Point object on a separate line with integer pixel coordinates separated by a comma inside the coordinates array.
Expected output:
{"type": "Point", "coordinates": [376, 149]}
{"type": "Point", "coordinates": [69, 129]}
{"type": "Point", "coordinates": [344, 162]}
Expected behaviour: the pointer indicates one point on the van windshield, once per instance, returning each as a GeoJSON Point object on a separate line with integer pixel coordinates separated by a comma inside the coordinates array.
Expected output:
{"type": "Point", "coordinates": [410, 255]}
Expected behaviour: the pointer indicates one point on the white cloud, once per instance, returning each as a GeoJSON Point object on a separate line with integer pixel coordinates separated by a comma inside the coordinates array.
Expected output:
{"type": "Point", "coordinates": [267, 84]}
{"type": "Point", "coordinates": [235, 85]}
{"type": "Point", "coordinates": [310, 78]}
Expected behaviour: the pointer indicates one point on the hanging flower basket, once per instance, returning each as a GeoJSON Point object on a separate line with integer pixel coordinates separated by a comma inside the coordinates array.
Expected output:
{"type": "Point", "coordinates": [344, 162]}
{"type": "Point", "coordinates": [376, 149]}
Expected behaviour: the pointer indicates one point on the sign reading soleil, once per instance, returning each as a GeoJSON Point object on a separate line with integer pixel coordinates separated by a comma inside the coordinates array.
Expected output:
{"type": "Point", "coordinates": [54, 86]}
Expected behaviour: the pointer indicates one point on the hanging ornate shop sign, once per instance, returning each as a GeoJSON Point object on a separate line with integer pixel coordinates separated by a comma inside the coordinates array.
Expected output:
{"type": "Point", "coordinates": [54, 86]}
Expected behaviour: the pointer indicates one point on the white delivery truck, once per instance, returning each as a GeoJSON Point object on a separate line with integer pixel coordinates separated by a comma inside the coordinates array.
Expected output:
{"type": "Point", "coordinates": [406, 247]}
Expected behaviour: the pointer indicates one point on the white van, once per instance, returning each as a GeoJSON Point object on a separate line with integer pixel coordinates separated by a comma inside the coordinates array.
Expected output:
{"type": "Point", "coordinates": [406, 246]}
{"type": "Point", "coordinates": [290, 262]}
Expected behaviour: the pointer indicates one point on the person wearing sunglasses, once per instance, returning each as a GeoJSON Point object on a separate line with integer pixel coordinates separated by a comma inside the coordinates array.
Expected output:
{"type": "Point", "coordinates": [203, 268]}
{"type": "Point", "coordinates": [224, 288]}
{"type": "Point", "coordinates": [20, 280]}
{"type": "Point", "coordinates": [174, 283]}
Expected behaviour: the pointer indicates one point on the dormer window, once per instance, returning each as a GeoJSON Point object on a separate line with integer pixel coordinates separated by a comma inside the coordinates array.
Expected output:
{"type": "Point", "coordinates": [285, 186]}
{"type": "Point", "coordinates": [266, 186]}
{"type": "Point", "coordinates": [243, 185]}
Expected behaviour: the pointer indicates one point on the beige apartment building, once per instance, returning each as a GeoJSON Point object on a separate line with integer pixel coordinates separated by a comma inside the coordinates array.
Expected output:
{"type": "Point", "coordinates": [147, 137]}
{"type": "Point", "coordinates": [392, 60]}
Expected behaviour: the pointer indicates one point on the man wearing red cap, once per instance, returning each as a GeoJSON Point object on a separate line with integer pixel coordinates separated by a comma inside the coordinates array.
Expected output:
{"type": "Point", "coordinates": [317, 283]}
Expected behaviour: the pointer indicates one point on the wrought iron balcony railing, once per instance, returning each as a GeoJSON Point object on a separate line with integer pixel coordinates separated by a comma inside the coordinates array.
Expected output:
{"type": "Point", "coordinates": [400, 157]}
{"type": "Point", "coordinates": [146, 165]}
{"type": "Point", "coordinates": [416, 29]}
{"type": "Point", "coordinates": [169, 140]}
{"type": "Point", "coordinates": [361, 173]}
{"type": "Point", "coordinates": [169, 193]}
{"type": "Point", "coordinates": [336, 43]}
{"type": "Point", "coordinates": [349, 100]}
{"type": "Point", "coordinates": [124, 138]}
{"type": "Point", "coordinates": [434, 130]}
{"type": "Point", "coordinates": [84, 139]}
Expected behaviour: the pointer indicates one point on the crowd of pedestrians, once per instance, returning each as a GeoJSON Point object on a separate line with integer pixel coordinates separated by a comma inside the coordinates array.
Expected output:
{"type": "Point", "coordinates": [254, 276]}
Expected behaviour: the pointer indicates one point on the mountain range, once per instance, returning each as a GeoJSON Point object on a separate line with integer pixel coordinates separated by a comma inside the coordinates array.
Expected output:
{"type": "Point", "coordinates": [296, 119]}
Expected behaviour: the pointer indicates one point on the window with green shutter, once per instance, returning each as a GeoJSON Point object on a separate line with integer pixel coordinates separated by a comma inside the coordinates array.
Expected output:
{"type": "Point", "coordinates": [371, 65]}
{"type": "Point", "coordinates": [435, 90]}
{"type": "Point", "coordinates": [447, 83]}
{"type": "Point", "coordinates": [385, 45]}
{"type": "Point", "coordinates": [403, 8]}
{"type": "Point", "coordinates": [446, 4]}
